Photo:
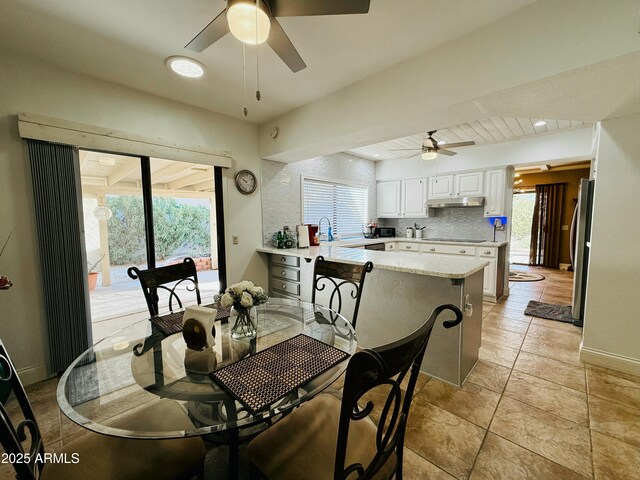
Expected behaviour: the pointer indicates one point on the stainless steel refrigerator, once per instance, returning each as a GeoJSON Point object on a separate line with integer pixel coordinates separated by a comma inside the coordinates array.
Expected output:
{"type": "Point", "coordinates": [580, 245]}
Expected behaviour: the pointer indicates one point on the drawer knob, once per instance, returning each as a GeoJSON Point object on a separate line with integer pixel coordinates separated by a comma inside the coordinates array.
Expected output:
{"type": "Point", "coordinates": [284, 274]}
{"type": "Point", "coordinates": [408, 247]}
{"type": "Point", "coordinates": [463, 251]}
{"type": "Point", "coordinates": [487, 252]}
{"type": "Point", "coordinates": [432, 249]}
{"type": "Point", "coordinates": [284, 285]}
{"type": "Point", "coordinates": [282, 259]}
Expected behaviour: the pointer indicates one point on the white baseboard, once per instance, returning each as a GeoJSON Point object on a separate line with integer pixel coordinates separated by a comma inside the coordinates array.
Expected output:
{"type": "Point", "coordinates": [609, 360]}
{"type": "Point", "coordinates": [33, 374]}
{"type": "Point", "coordinates": [565, 266]}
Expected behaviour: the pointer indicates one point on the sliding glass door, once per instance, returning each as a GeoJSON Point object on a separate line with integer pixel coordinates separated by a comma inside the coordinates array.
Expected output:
{"type": "Point", "coordinates": [144, 212]}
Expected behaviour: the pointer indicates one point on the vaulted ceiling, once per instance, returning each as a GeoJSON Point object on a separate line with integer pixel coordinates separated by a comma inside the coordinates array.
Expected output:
{"type": "Point", "coordinates": [126, 42]}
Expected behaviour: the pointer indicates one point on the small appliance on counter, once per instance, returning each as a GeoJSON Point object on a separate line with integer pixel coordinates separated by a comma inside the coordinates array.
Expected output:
{"type": "Point", "coordinates": [370, 230]}
{"type": "Point", "coordinates": [284, 238]}
{"type": "Point", "coordinates": [385, 232]}
{"type": "Point", "coordinates": [410, 232]}
{"type": "Point", "coordinates": [314, 238]}
{"type": "Point", "coordinates": [303, 236]}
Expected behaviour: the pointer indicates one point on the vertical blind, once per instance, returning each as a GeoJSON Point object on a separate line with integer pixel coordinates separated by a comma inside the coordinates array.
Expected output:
{"type": "Point", "coordinates": [345, 205]}
{"type": "Point", "coordinates": [56, 192]}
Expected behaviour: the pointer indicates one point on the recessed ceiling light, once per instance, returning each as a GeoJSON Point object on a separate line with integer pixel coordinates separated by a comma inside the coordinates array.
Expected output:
{"type": "Point", "coordinates": [540, 123]}
{"type": "Point", "coordinates": [376, 154]}
{"type": "Point", "coordinates": [185, 66]}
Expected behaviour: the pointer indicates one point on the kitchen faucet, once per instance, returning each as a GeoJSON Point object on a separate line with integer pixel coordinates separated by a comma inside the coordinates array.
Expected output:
{"type": "Point", "coordinates": [329, 233]}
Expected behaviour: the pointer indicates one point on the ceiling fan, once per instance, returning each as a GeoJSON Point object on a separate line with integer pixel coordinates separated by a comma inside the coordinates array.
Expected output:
{"type": "Point", "coordinates": [254, 22]}
{"type": "Point", "coordinates": [430, 148]}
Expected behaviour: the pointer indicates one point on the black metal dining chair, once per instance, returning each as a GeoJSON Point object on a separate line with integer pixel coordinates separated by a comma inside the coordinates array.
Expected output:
{"type": "Point", "coordinates": [95, 456]}
{"type": "Point", "coordinates": [361, 435]}
{"type": "Point", "coordinates": [167, 278]}
{"type": "Point", "coordinates": [340, 284]}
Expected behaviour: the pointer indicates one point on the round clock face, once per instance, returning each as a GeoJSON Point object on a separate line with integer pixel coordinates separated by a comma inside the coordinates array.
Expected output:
{"type": "Point", "coordinates": [246, 182]}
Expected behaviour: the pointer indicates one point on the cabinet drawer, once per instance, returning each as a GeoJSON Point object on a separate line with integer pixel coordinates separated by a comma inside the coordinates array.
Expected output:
{"type": "Point", "coordinates": [390, 246]}
{"type": "Point", "coordinates": [286, 273]}
{"type": "Point", "coordinates": [449, 249]}
{"type": "Point", "coordinates": [285, 286]}
{"type": "Point", "coordinates": [287, 260]}
{"type": "Point", "coordinates": [487, 252]}
{"type": "Point", "coordinates": [408, 247]}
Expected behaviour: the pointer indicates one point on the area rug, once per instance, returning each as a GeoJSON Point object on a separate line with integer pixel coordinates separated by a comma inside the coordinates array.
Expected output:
{"type": "Point", "coordinates": [562, 313]}
{"type": "Point", "coordinates": [520, 276]}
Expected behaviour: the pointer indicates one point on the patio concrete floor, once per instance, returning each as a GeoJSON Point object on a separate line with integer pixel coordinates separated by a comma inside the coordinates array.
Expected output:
{"type": "Point", "coordinates": [123, 303]}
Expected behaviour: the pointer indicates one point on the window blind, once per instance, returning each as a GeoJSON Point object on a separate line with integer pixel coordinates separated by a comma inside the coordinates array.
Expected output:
{"type": "Point", "coordinates": [345, 205]}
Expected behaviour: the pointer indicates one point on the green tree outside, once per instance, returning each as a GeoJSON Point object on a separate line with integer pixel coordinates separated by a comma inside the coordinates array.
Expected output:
{"type": "Point", "coordinates": [177, 227]}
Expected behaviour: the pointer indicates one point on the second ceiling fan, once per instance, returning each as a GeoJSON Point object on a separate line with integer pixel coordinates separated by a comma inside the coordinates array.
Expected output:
{"type": "Point", "coordinates": [254, 22]}
{"type": "Point", "coordinates": [430, 147]}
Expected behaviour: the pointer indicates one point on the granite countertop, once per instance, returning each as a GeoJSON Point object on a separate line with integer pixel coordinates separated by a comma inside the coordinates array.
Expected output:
{"type": "Point", "coordinates": [344, 251]}
{"type": "Point", "coordinates": [356, 242]}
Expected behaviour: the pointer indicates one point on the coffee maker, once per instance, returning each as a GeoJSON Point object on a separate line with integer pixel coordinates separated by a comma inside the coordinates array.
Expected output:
{"type": "Point", "coordinates": [314, 238]}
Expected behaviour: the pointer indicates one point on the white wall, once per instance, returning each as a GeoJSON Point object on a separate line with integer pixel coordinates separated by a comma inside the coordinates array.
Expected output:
{"type": "Point", "coordinates": [612, 321]}
{"type": "Point", "coordinates": [569, 145]}
{"type": "Point", "coordinates": [534, 58]}
{"type": "Point", "coordinates": [32, 87]}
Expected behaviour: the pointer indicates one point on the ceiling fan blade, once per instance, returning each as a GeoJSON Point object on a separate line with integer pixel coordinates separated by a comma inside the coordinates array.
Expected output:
{"type": "Point", "coordinates": [303, 8]}
{"type": "Point", "coordinates": [210, 34]}
{"type": "Point", "coordinates": [404, 149]}
{"type": "Point", "coordinates": [460, 144]}
{"type": "Point", "coordinates": [281, 44]}
{"type": "Point", "coordinates": [446, 152]}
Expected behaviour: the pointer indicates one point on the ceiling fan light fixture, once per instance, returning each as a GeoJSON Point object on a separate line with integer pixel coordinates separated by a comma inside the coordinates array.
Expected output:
{"type": "Point", "coordinates": [242, 18]}
{"type": "Point", "coordinates": [185, 66]}
{"type": "Point", "coordinates": [540, 123]}
{"type": "Point", "coordinates": [429, 155]}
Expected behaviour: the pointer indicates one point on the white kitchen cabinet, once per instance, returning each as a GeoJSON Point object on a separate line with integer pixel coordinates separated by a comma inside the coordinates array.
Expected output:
{"type": "Point", "coordinates": [414, 197]}
{"type": "Point", "coordinates": [441, 186]}
{"type": "Point", "coordinates": [469, 184]}
{"type": "Point", "coordinates": [490, 272]}
{"type": "Point", "coordinates": [389, 199]}
{"type": "Point", "coordinates": [494, 193]}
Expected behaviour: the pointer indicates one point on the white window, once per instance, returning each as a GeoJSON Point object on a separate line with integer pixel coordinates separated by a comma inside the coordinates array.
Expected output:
{"type": "Point", "coordinates": [344, 204]}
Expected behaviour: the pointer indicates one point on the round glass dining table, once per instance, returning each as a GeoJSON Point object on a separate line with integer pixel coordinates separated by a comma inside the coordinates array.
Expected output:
{"type": "Point", "coordinates": [131, 370]}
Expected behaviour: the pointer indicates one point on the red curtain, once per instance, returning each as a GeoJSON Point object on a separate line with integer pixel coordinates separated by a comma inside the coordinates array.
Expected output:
{"type": "Point", "coordinates": [544, 250]}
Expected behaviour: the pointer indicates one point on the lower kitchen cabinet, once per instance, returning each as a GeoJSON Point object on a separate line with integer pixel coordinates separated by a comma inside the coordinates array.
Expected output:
{"type": "Point", "coordinates": [290, 277]}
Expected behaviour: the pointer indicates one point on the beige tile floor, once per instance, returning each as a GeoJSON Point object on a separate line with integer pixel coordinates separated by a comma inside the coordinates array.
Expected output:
{"type": "Point", "coordinates": [529, 410]}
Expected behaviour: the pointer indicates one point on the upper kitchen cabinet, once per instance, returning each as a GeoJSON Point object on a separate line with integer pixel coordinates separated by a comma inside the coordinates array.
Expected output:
{"type": "Point", "coordinates": [404, 198]}
{"type": "Point", "coordinates": [441, 186]}
{"type": "Point", "coordinates": [494, 192]}
{"type": "Point", "coordinates": [414, 197]}
{"type": "Point", "coordinates": [469, 184]}
{"type": "Point", "coordinates": [389, 199]}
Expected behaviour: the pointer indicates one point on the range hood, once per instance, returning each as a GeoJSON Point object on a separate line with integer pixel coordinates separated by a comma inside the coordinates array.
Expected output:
{"type": "Point", "coordinates": [455, 202]}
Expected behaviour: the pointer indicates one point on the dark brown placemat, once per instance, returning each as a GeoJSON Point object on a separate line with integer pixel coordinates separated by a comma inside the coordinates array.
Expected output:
{"type": "Point", "coordinates": [172, 322]}
{"type": "Point", "coordinates": [261, 379]}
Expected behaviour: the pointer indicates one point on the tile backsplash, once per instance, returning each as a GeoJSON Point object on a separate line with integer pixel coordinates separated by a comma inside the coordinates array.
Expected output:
{"type": "Point", "coordinates": [281, 186]}
{"type": "Point", "coordinates": [466, 222]}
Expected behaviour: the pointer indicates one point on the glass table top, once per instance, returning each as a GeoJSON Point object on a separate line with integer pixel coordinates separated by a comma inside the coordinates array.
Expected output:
{"type": "Point", "coordinates": [137, 382]}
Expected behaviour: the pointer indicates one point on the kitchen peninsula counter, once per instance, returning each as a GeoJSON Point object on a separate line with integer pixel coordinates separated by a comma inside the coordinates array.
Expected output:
{"type": "Point", "coordinates": [348, 252]}
{"type": "Point", "coordinates": [399, 294]}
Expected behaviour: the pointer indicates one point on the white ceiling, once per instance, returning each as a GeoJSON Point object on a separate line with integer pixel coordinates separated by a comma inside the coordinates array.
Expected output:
{"type": "Point", "coordinates": [126, 42]}
{"type": "Point", "coordinates": [483, 132]}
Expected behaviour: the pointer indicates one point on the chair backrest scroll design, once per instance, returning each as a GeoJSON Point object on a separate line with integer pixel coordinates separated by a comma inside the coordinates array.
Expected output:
{"type": "Point", "coordinates": [386, 365]}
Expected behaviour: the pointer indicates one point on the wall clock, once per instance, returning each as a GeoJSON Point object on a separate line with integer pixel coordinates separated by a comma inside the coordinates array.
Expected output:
{"type": "Point", "coordinates": [246, 182]}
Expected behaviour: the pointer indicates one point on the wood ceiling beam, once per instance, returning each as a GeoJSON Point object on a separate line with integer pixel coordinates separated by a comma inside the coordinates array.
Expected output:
{"type": "Point", "coordinates": [164, 174]}
{"type": "Point", "coordinates": [190, 180]}
{"type": "Point", "coordinates": [207, 185]}
{"type": "Point", "coordinates": [122, 171]}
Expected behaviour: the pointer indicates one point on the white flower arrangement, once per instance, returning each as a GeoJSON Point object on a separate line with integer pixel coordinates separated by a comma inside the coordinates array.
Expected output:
{"type": "Point", "coordinates": [242, 295]}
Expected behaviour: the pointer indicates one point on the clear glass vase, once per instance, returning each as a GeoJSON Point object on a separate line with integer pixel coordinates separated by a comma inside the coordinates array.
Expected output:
{"type": "Point", "coordinates": [245, 322]}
